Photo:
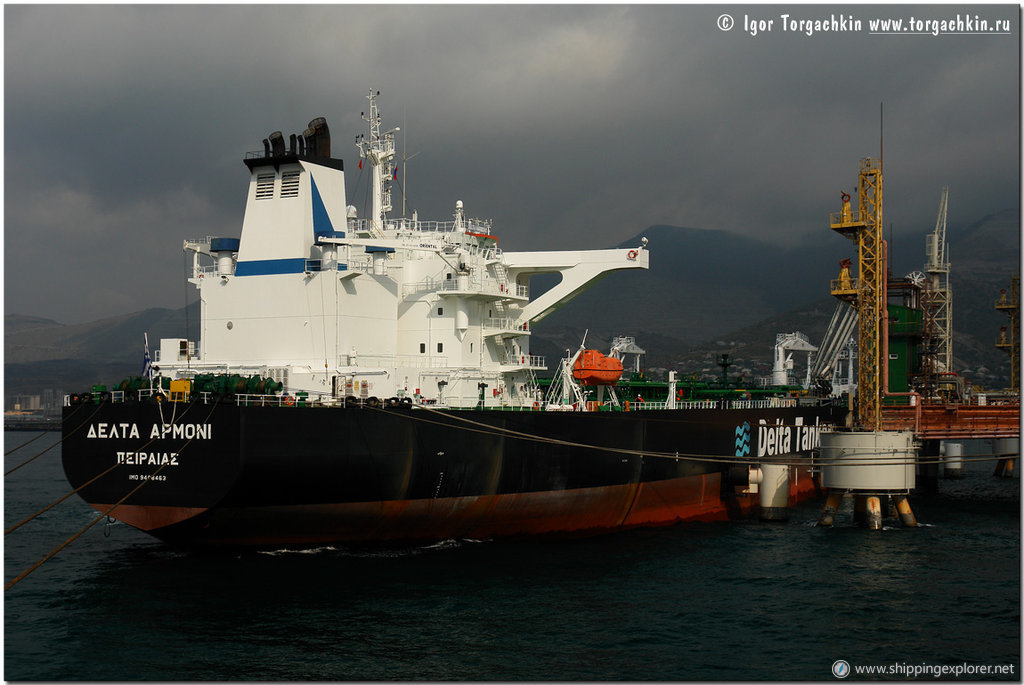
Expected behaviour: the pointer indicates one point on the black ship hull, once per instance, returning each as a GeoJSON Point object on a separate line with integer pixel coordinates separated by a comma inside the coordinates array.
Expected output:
{"type": "Point", "coordinates": [223, 474]}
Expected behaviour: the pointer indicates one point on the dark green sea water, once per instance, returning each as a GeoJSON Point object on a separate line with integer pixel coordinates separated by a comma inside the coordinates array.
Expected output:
{"type": "Point", "coordinates": [690, 602]}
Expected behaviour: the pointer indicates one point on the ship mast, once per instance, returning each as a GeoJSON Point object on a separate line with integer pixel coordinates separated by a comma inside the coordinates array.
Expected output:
{"type": "Point", "coordinates": [379, 150]}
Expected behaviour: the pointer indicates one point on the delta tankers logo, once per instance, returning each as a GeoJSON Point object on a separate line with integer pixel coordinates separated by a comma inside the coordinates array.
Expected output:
{"type": "Point", "coordinates": [743, 439]}
{"type": "Point", "coordinates": [778, 437]}
{"type": "Point", "coordinates": [781, 437]}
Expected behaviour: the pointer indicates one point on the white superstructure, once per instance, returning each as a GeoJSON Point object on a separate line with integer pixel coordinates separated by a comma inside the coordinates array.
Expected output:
{"type": "Point", "coordinates": [338, 306]}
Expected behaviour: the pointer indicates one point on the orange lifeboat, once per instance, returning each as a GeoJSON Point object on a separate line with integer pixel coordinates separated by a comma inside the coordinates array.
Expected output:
{"type": "Point", "coordinates": [594, 368]}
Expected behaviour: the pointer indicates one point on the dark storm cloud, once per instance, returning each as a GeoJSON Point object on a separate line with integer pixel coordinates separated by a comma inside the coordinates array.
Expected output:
{"type": "Point", "coordinates": [569, 125]}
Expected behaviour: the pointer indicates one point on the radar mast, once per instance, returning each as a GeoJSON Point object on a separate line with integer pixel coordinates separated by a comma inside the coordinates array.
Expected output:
{"type": "Point", "coordinates": [379, 150]}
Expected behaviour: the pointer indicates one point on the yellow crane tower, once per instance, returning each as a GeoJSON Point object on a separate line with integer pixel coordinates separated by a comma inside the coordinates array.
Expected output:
{"type": "Point", "coordinates": [867, 292]}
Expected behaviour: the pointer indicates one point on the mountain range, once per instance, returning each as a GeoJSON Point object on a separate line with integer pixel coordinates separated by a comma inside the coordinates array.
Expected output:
{"type": "Point", "coordinates": [707, 292]}
{"type": "Point", "coordinates": [710, 292]}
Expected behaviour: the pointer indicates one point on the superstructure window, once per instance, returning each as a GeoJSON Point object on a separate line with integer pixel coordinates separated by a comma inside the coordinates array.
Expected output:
{"type": "Point", "coordinates": [423, 348]}
{"type": "Point", "coordinates": [265, 186]}
{"type": "Point", "coordinates": [440, 347]}
{"type": "Point", "coordinates": [290, 184]}
{"type": "Point", "coordinates": [440, 311]}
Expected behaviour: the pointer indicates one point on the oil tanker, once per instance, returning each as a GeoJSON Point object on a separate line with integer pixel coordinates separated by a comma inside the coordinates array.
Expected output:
{"type": "Point", "coordinates": [369, 379]}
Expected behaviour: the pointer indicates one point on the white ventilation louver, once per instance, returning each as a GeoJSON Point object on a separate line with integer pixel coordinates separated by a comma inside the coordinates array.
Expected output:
{"type": "Point", "coordinates": [289, 184]}
{"type": "Point", "coordinates": [265, 186]}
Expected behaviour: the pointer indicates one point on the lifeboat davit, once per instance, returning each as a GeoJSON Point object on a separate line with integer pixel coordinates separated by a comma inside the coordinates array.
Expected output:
{"type": "Point", "coordinates": [594, 368]}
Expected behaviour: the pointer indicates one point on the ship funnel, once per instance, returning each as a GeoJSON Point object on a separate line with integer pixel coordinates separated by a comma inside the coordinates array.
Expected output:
{"type": "Point", "coordinates": [291, 144]}
{"type": "Point", "coordinates": [266, 147]}
{"type": "Point", "coordinates": [318, 138]}
{"type": "Point", "coordinates": [276, 143]}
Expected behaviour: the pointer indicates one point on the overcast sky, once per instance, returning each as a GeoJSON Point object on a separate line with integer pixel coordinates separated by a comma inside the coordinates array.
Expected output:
{"type": "Point", "coordinates": [570, 126]}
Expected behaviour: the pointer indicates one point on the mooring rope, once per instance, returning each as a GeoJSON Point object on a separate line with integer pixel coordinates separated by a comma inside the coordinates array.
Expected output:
{"type": "Point", "coordinates": [51, 505]}
{"type": "Point", "coordinates": [42, 433]}
{"type": "Point", "coordinates": [65, 437]}
{"type": "Point", "coordinates": [89, 482]}
{"type": "Point", "coordinates": [77, 535]}
{"type": "Point", "coordinates": [30, 459]}
{"type": "Point", "coordinates": [62, 439]}
{"type": "Point", "coordinates": [498, 431]}
{"type": "Point", "coordinates": [28, 442]}
{"type": "Point", "coordinates": [99, 518]}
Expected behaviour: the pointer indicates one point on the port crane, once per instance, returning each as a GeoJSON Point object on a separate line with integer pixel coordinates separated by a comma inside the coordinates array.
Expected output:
{"type": "Point", "coordinates": [885, 421]}
{"type": "Point", "coordinates": [867, 291]}
{"type": "Point", "coordinates": [929, 418]}
{"type": "Point", "coordinates": [937, 302]}
{"type": "Point", "coordinates": [1011, 342]}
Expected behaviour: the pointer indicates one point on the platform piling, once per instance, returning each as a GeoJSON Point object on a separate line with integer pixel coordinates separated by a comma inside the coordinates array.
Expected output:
{"type": "Point", "coordinates": [874, 506]}
{"type": "Point", "coordinates": [828, 514]}
{"type": "Point", "coordinates": [906, 515]}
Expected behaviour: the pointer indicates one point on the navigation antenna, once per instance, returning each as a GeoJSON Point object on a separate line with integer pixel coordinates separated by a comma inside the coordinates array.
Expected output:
{"type": "Point", "coordinates": [379, 150]}
{"type": "Point", "coordinates": [405, 159]}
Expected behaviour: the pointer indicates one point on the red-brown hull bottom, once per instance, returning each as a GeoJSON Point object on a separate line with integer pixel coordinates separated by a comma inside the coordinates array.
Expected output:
{"type": "Point", "coordinates": [240, 475]}
{"type": "Point", "coordinates": [584, 511]}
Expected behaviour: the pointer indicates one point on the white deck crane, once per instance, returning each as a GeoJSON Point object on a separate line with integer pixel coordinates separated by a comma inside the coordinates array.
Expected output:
{"type": "Point", "coordinates": [785, 345]}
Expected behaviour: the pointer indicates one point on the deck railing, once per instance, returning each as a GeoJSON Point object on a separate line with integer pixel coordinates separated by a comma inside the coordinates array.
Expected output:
{"type": "Point", "coordinates": [475, 286]}
{"type": "Point", "coordinates": [289, 400]}
{"type": "Point", "coordinates": [482, 226]}
{"type": "Point", "coordinates": [505, 324]}
{"type": "Point", "coordinates": [530, 361]}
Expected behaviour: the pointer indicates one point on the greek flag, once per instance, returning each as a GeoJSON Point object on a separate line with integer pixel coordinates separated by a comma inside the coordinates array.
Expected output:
{"type": "Point", "coordinates": [147, 363]}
